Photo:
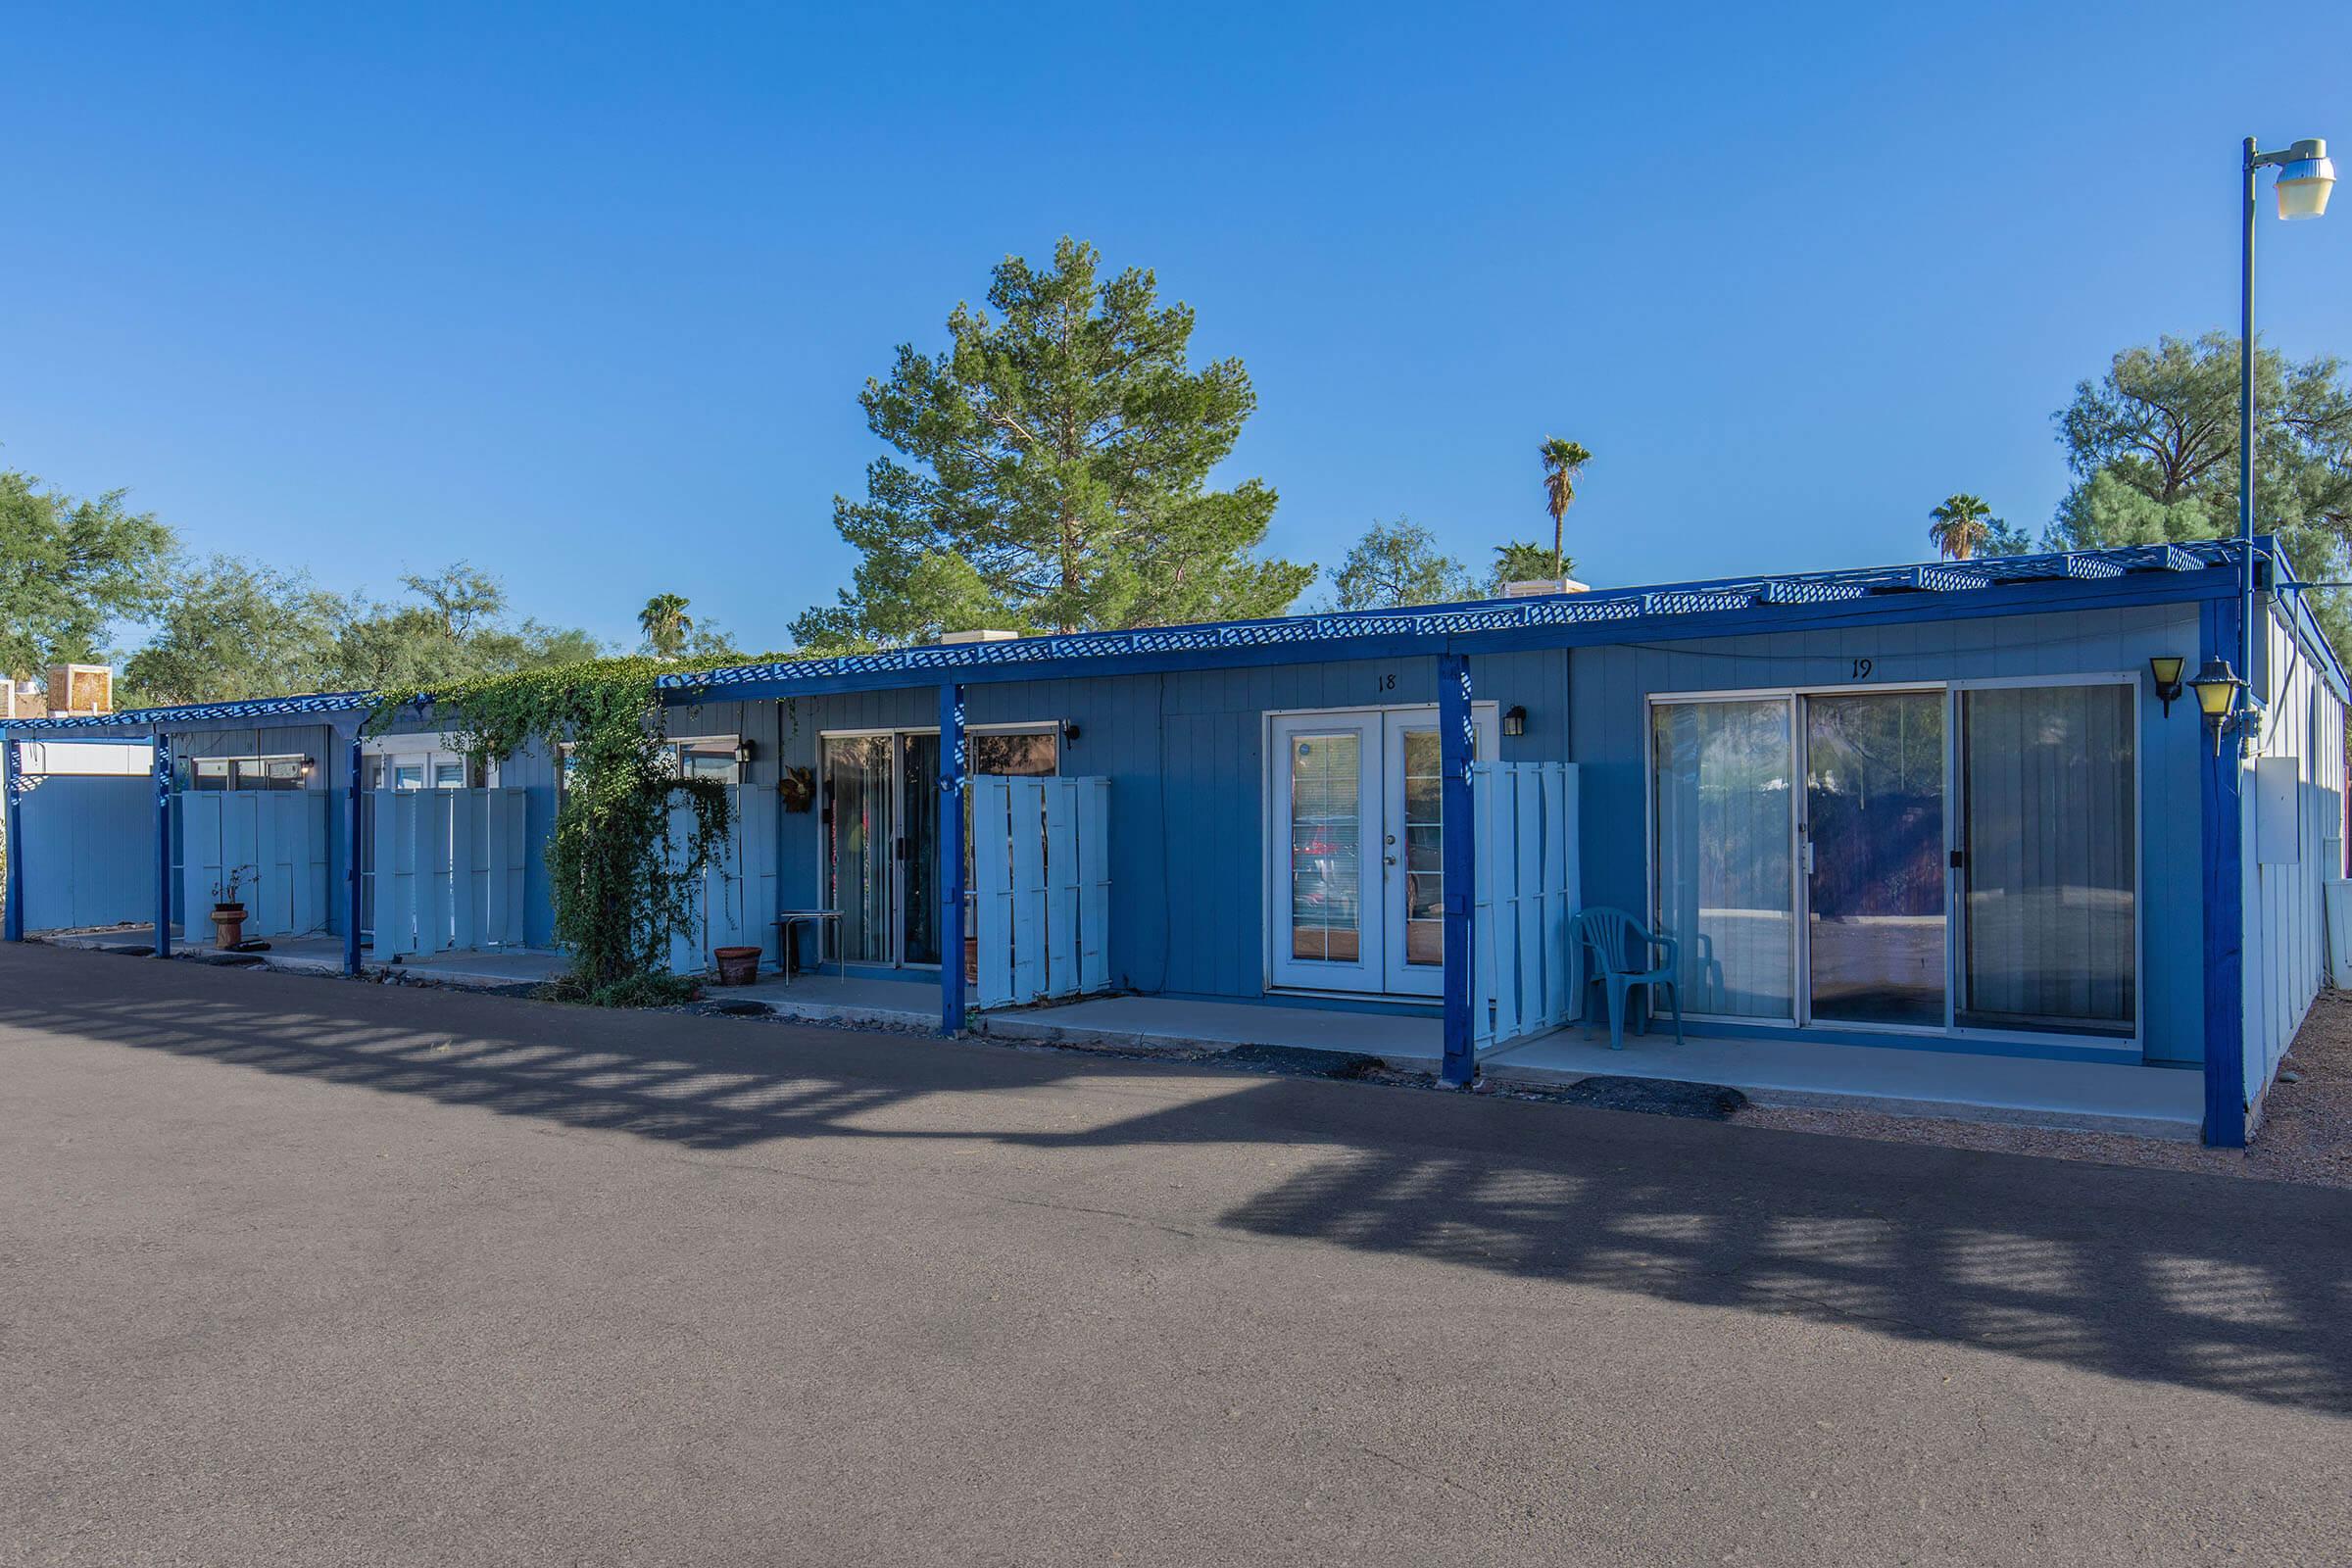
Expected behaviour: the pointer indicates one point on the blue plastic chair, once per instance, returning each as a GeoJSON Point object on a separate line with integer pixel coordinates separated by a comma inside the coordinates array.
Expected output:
{"type": "Point", "coordinates": [1612, 935]}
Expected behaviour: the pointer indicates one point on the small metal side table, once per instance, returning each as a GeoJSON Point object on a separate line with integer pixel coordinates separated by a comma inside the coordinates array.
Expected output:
{"type": "Point", "coordinates": [788, 924]}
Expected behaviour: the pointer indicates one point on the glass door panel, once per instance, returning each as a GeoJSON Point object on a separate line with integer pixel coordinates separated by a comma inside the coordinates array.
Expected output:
{"type": "Point", "coordinates": [1874, 831]}
{"type": "Point", "coordinates": [918, 848]}
{"type": "Point", "coordinates": [1327, 903]}
{"type": "Point", "coordinates": [859, 833]}
{"type": "Point", "coordinates": [1722, 776]}
{"type": "Point", "coordinates": [1412, 855]}
{"type": "Point", "coordinates": [2049, 859]}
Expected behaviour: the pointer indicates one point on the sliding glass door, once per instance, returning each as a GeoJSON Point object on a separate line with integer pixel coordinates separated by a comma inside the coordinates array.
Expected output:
{"type": "Point", "coordinates": [881, 822]}
{"type": "Point", "coordinates": [1724, 851]}
{"type": "Point", "coordinates": [1874, 846]}
{"type": "Point", "coordinates": [860, 840]}
{"type": "Point", "coordinates": [1930, 858]}
{"type": "Point", "coordinates": [2050, 860]}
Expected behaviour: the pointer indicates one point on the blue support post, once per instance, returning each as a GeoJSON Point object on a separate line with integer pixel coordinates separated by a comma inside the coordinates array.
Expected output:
{"type": "Point", "coordinates": [2222, 811]}
{"type": "Point", "coordinates": [11, 781]}
{"type": "Point", "coordinates": [353, 826]}
{"type": "Point", "coordinates": [950, 858]}
{"type": "Point", "coordinates": [1457, 745]}
{"type": "Point", "coordinates": [163, 844]}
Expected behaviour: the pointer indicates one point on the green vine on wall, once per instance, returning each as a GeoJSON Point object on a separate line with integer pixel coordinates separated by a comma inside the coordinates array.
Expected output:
{"type": "Point", "coordinates": [621, 895]}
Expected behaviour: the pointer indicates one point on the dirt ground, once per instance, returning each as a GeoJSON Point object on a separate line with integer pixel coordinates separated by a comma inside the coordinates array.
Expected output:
{"type": "Point", "coordinates": [2305, 1135]}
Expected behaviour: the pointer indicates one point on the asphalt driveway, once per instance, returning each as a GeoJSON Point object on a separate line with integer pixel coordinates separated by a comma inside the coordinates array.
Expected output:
{"type": "Point", "coordinates": [303, 1271]}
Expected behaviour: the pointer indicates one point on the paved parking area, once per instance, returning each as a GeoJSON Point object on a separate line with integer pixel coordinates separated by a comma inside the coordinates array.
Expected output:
{"type": "Point", "coordinates": [301, 1271]}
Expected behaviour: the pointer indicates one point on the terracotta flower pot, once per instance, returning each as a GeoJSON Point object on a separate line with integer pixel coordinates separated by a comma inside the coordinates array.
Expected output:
{"type": "Point", "coordinates": [737, 967]}
{"type": "Point", "coordinates": [228, 924]}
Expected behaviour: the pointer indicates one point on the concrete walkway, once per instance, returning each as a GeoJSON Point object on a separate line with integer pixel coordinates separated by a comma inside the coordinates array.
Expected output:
{"type": "Point", "coordinates": [2104, 1097]}
{"type": "Point", "coordinates": [322, 953]}
{"type": "Point", "coordinates": [307, 1273]}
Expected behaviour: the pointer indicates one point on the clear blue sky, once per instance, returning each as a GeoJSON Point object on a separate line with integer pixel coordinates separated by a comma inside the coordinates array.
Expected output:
{"type": "Point", "coordinates": [586, 297]}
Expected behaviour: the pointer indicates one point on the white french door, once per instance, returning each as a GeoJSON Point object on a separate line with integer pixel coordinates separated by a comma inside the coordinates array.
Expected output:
{"type": "Point", "coordinates": [1355, 850]}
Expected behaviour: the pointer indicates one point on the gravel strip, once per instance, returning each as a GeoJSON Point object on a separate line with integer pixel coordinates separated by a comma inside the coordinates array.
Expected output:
{"type": "Point", "coordinates": [2306, 1133]}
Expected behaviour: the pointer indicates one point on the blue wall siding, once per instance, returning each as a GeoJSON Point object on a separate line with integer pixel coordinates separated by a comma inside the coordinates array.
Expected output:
{"type": "Point", "coordinates": [1612, 685]}
{"type": "Point", "coordinates": [1183, 755]}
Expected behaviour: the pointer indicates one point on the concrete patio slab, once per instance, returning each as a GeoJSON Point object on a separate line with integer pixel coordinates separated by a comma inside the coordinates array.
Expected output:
{"type": "Point", "coordinates": [840, 999]}
{"type": "Point", "coordinates": [1404, 1040]}
{"type": "Point", "coordinates": [2083, 1096]}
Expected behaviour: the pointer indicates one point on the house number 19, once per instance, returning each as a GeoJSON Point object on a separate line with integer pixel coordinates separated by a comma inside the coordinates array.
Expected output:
{"type": "Point", "coordinates": [1861, 669]}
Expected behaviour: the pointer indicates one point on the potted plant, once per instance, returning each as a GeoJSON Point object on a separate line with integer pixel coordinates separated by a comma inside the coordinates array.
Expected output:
{"type": "Point", "coordinates": [228, 908]}
{"type": "Point", "coordinates": [737, 967]}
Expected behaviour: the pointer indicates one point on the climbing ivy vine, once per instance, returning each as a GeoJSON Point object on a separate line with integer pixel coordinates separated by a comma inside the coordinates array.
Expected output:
{"type": "Point", "coordinates": [620, 894]}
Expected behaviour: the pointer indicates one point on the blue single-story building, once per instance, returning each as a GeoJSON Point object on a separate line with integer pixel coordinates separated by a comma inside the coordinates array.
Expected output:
{"type": "Point", "coordinates": [1963, 807]}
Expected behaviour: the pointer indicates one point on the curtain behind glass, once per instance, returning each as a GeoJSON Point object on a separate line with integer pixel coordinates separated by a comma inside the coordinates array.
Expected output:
{"type": "Point", "coordinates": [2046, 776]}
{"type": "Point", "coordinates": [1722, 772]}
{"type": "Point", "coordinates": [858, 840]}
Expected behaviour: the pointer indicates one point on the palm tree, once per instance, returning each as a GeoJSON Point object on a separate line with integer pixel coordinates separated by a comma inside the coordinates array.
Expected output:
{"type": "Point", "coordinates": [1960, 525]}
{"type": "Point", "coordinates": [666, 624]}
{"type": "Point", "coordinates": [1562, 461]}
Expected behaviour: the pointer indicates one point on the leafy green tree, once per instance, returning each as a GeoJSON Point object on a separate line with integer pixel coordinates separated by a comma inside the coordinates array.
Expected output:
{"type": "Point", "coordinates": [71, 570]}
{"type": "Point", "coordinates": [1563, 461]}
{"type": "Point", "coordinates": [1052, 472]}
{"type": "Point", "coordinates": [459, 633]}
{"type": "Point", "coordinates": [1399, 563]}
{"type": "Point", "coordinates": [1525, 560]}
{"type": "Point", "coordinates": [666, 624]}
{"type": "Point", "coordinates": [2153, 447]}
{"type": "Point", "coordinates": [229, 629]}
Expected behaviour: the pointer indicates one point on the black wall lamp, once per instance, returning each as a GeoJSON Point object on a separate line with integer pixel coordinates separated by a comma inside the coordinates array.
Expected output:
{"type": "Point", "coordinates": [2216, 686]}
{"type": "Point", "coordinates": [1514, 721]}
{"type": "Point", "coordinates": [743, 753]}
{"type": "Point", "coordinates": [2165, 667]}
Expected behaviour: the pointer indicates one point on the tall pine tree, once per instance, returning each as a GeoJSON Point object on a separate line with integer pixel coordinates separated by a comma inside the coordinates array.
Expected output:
{"type": "Point", "coordinates": [1054, 472]}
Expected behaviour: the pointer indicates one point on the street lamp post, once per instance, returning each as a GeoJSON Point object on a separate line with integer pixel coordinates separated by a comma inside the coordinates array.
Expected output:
{"type": "Point", "coordinates": [2306, 176]}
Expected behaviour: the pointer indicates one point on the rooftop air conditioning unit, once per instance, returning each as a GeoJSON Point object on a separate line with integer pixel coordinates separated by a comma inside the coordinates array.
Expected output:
{"type": "Point", "coordinates": [75, 689]}
{"type": "Point", "coordinates": [1543, 587]}
{"type": "Point", "coordinates": [985, 635]}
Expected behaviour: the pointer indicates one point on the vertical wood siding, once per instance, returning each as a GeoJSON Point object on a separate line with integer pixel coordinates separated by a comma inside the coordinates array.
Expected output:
{"type": "Point", "coordinates": [2286, 937]}
{"type": "Point", "coordinates": [89, 856]}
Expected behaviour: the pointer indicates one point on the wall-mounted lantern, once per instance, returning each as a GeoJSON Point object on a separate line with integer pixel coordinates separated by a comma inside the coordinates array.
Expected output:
{"type": "Point", "coordinates": [2216, 686]}
{"type": "Point", "coordinates": [743, 753]}
{"type": "Point", "coordinates": [1514, 721]}
{"type": "Point", "coordinates": [2165, 667]}
{"type": "Point", "coordinates": [1069, 729]}
{"type": "Point", "coordinates": [309, 765]}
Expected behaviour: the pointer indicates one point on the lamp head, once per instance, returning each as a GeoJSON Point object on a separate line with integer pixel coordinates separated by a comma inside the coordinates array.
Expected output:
{"type": "Point", "coordinates": [2216, 686]}
{"type": "Point", "coordinates": [2305, 180]}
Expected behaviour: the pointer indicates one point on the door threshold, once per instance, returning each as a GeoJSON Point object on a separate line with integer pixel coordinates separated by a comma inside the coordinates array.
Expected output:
{"type": "Point", "coordinates": [1387, 999]}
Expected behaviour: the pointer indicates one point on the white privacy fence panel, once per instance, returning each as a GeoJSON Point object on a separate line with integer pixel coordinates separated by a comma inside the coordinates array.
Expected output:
{"type": "Point", "coordinates": [728, 908]}
{"type": "Point", "coordinates": [88, 844]}
{"type": "Point", "coordinates": [277, 837]}
{"type": "Point", "coordinates": [1041, 888]}
{"type": "Point", "coordinates": [447, 869]}
{"type": "Point", "coordinates": [1528, 967]}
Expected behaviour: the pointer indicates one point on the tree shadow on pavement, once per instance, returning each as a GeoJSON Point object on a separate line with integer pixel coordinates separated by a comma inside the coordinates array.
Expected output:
{"type": "Point", "coordinates": [2237, 1286]}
